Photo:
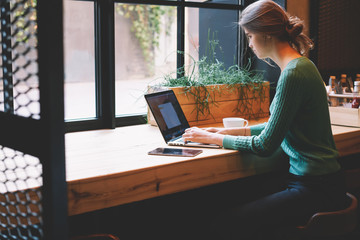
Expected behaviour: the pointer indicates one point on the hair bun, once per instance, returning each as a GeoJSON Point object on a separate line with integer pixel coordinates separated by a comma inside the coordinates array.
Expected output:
{"type": "Point", "coordinates": [294, 27]}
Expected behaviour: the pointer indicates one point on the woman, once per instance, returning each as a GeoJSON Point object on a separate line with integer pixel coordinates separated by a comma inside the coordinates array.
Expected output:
{"type": "Point", "coordinates": [299, 122]}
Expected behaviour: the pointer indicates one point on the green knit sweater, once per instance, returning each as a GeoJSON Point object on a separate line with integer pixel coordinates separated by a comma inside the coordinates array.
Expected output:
{"type": "Point", "coordinates": [299, 122]}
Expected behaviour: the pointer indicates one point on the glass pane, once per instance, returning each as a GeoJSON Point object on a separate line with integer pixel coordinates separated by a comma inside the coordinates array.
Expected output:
{"type": "Point", "coordinates": [145, 51]}
{"type": "Point", "coordinates": [210, 34]}
{"type": "Point", "coordinates": [79, 58]}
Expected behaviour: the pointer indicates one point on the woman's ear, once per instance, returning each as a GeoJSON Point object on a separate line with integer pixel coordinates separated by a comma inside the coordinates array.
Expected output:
{"type": "Point", "coordinates": [267, 37]}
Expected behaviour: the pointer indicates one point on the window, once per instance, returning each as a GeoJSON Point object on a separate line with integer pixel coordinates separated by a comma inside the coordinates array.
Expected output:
{"type": "Point", "coordinates": [79, 60]}
{"type": "Point", "coordinates": [143, 53]}
{"type": "Point", "coordinates": [115, 49]}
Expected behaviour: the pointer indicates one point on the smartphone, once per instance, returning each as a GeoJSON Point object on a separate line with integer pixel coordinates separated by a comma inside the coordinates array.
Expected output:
{"type": "Point", "coordinates": [181, 152]}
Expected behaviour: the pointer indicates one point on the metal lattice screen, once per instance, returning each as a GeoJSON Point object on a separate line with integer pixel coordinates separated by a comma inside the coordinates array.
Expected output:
{"type": "Point", "coordinates": [20, 174]}
{"type": "Point", "coordinates": [20, 199]}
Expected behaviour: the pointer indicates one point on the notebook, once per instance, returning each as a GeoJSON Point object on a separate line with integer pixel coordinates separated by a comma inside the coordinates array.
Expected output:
{"type": "Point", "coordinates": [171, 119]}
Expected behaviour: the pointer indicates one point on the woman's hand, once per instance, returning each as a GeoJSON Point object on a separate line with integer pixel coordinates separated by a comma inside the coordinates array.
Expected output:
{"type": "Point", "coordinates": [213, 129]}
{"type": "Point", "coordinates": [195, 134]}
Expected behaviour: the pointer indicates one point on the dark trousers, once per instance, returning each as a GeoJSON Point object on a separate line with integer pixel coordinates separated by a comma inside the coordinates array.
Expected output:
{"type": "Point", "coordinates": [301, 197]}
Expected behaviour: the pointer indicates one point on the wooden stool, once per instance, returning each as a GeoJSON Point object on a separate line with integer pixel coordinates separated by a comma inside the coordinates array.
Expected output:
{"type": "Point", "coordinates": [331, 224]}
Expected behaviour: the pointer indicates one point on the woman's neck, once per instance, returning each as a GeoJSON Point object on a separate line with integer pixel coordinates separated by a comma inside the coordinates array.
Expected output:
{"type": "Point", "coordinates": [283, 54]}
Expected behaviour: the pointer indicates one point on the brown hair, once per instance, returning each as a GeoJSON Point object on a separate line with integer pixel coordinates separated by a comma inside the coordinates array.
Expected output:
{"type": "Point", "coordinates": [268, 18]}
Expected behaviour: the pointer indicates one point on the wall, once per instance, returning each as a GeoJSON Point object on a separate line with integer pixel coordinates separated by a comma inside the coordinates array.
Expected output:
{"type": "Point", "coordinates": [301, 9]}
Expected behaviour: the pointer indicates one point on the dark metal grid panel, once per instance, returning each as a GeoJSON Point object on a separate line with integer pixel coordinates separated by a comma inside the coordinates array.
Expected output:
{"type": "Point", "coordinates": [20, 195]}
{"type": "Point", "coordinates": [19, 86]}
{"type": "Point", "coordinates": [20, 173]}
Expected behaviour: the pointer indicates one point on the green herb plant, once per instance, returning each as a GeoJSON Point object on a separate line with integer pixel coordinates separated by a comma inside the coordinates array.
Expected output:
{"type": "Point", "coordinates": [210, 71]}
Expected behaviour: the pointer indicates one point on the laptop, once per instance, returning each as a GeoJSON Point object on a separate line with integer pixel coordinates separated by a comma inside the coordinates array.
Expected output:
{"type": "Point", "coordinates": [171, 119]}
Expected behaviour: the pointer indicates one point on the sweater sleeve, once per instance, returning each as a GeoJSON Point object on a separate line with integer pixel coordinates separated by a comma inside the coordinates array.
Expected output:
{"type": "Point", "coordinates": [284, 107]}
{"type": "Point", "coordinates": [257, 129]}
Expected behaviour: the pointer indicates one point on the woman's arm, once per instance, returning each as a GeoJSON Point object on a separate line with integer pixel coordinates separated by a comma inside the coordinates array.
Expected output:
{"type": "Point", "coordinates": [269, 136]}
{"type": "Point", "coordinates": [213, 135]}
{"type": "Point", "coordinates": [238, 131]}
{"type": "Point", "coordinates": [284, 107]}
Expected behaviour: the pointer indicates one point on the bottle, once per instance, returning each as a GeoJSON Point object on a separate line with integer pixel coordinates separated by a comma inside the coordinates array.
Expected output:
{"type": "Point", "coordinates": [344, 83]}
{"type": "Point", "coordinates": [338, 89]}
{"type": "Point", "coordinates": [357, 77]}
{"type": "Point", "coordinates": [332, 80]}
{"type": "Point", "coordinates": [357, 87]}
{"type": "Point", "coordinates": [357, 84]}
{"type": "Point", "coordinates": [350, 85]}
{"type": "Point", "coordinates": [356, 102]}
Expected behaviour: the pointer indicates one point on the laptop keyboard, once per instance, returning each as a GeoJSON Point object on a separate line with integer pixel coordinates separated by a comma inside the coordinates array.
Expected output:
{"type": "Point", "coordinates": [179, 140]}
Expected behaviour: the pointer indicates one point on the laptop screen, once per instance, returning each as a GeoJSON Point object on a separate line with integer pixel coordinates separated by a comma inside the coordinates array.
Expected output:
{"type": "Point", "coordinates": [167, 113]}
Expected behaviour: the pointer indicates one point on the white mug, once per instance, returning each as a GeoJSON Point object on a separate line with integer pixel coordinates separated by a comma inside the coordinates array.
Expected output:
{"type": "Point", "coordinates": [235, 122]}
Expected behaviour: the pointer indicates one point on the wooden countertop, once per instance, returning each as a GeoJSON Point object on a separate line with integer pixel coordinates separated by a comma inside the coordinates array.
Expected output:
{"type": "Point", "coordinates": [106, 168]}
{"type": "Point", "coordinates": [347, 139]}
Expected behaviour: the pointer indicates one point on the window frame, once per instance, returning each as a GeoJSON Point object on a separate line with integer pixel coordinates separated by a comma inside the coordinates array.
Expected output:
{"type": "Point", "coordinates": [104, 36]}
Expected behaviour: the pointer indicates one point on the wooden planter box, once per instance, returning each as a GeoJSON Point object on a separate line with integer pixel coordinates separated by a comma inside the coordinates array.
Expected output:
{"type": "Point", "coordinates": [224, 101]}
{"type": "Point", "coordinates": [345, 116]}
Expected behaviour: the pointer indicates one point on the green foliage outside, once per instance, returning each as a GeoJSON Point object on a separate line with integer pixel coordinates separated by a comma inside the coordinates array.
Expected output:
{"type": "Point", "coordinates": [147, 22]}
{"type": "Point", "coordinates": [25, 20]}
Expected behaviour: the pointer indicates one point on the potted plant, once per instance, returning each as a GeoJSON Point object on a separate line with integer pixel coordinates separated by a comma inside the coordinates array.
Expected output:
{"type": "Point", "coordinates": [208, 92]}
